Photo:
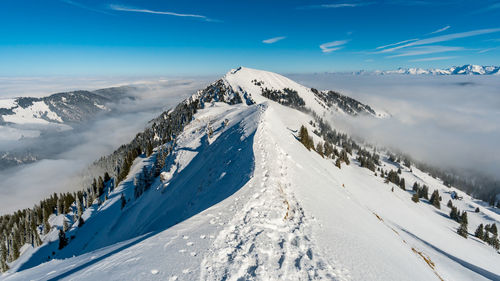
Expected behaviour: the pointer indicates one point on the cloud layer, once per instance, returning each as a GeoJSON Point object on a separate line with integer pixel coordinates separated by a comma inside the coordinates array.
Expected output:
{"type": "Point", "coordinates": [451, 121]}
{"type": "Point", "coordinates": [71, 152]}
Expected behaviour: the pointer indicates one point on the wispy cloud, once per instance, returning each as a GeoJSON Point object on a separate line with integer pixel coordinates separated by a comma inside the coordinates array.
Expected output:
{"type": "Point", "coordinates": [273, 40]}
{"type": "Point", "coordinates": [441, 30]}
{"type": "Point", "coordinates": [432, 59]}
{"type": "Point", "coordinates": [147, 11]}
{"type": "Point", "coordinates": [425, 50]}
{"type": "Point", "coordinates": [332, 46]}
{"type": "Point", "coordinates": [334, 6]}
{"type": "Point", "coordinates": [485, 50]}
{"type": "Point", "coordinates": [491, 7]}
{"type": "Point", "coordinates": [79, 5]}
{"type": "Point", "coordinates": [397, 43]}
{"type": "Point", "coordinates": [443, 38]}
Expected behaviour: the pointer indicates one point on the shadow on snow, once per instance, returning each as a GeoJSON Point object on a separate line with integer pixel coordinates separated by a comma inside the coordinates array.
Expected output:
{"type": "Point", "coordinates": [216, 172]}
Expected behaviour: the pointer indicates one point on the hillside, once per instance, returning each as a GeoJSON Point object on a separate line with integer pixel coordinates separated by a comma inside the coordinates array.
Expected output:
{"type": "Point", "coordinates": [26, 123]}
{"type": "Point", "coordinates": [225, 186]}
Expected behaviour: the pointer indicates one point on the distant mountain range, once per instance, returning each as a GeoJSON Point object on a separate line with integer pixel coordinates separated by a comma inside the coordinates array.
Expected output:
{"type": "Point", "coordinates": [468, 69]}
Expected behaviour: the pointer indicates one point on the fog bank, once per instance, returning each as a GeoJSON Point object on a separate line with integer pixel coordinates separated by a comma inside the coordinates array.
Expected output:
{"type": "Point", "coordinates": [449, 121]}
{"type": "Point", "coordinates": [70, 152]}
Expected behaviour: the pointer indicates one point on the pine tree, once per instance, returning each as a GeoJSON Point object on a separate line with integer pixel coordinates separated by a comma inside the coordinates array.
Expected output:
{"type": "Point", "coordinates": [415, 187]}
{"type": "Point", "coordinates": [149, 149]}
{"type": "Point", "coordinates": [435, 199]}
{"type": "Point", "coordinates": [462, 230]}
{"type": "Point", "coordinates": [3, 256]}
{"type": "Point", "coordinates": [60, 206]}
{"type": "Point", "coordinates": [337, 163]}
{"type": "Point", "coordinates": [424, 192]}
{"type": "Point", "coordinates": [463, 218]}
{"type": "Point", "coordinates": [81, 222]}
{"type": "Point", "coordinates": [495, 243]}
{"type": "Point", "coordinates": [304, 137]}
{"type": "Point", "coordinates": [493, 229]}
{"type": "Point", "coordinates": [123, 201]}
{"type": "Point", "coordinates": [106, 177]}
{"type": "Point", "coordinates": [100, 186]}
{"type": "Point", "coordinates": [449, 204]}
{"type": "Point", "coordinates": [414, 198]}
{"type": "Point", "coordinates": [328, 149]}
{"type": "Point", "coordinates": [402, 184]}
{"type": "Point", "coordinates": [63, 241]}
{"type": "Point", "coordinates": [79, 208]}
{"type": "Point", "coordinates": [399, 171]}
{"type": "Point", "coordinates": [15, 247]}
{"type": "Point", "coordinates": [344, 157]}
{"type": "Point", "coordinates": [479, 232]}
{"type": "Point", "coordinates": [319, 149]}
{"type": "Point", "coordinates": [454, 213]}
{"type": "Point", "coordinates": [486, 237]}
{"type": "Point", "coordinates": [65, 225]}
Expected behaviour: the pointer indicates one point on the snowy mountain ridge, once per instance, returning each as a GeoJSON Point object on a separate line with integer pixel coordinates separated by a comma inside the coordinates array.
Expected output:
{"type": "Point", "coordinates": [58, 108]}
{"type": "Point", "coordinates": [226, 186]}
{"type": "Point", "coordinates": [262, 85]}
{"type": "Point", "coordinates": [468, 69]}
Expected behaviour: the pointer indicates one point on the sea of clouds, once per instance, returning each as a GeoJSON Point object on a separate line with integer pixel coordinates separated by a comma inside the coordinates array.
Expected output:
{"type": "Point", "coordinates": [447, 121]}
{"type": "Point", "coordinates": [68, 153]}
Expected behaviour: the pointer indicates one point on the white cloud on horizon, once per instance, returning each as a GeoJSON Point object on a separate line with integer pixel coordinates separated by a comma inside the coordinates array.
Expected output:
{"type": "Point", "coordinates": [273, 40]}
{"type": "Point", "coordinates": [121, 8]}
{"type": "Point", "coordinates": [441, 30]}
{"type": "Point", "coordinates": [332, 46]}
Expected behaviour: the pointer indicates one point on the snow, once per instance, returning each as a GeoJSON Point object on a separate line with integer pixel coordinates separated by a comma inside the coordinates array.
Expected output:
{"type": "Point", "coordinates": [32, 114]}
{"type": "Point", "coordinates": [468, 69]}
{"type": "Point", "coordinates": [242, 77]}
{"type": "Point", "coordinates": [250, 202]}
{"type": "Point", "coordinates": [7, 103]}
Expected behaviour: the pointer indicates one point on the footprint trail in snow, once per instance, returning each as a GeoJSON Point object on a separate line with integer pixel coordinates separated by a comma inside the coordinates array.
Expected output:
{"type": "Point", "coordinates": [269, 237]}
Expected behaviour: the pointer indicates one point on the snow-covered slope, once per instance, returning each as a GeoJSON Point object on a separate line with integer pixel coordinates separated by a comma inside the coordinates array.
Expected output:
{"type": "Point", "coordinates": [242, 199]}
{"type": "Point", "coordinates": [264, 85]}
{"type": "Point", "coordinates": [57, 108]}
{"type": "Point", "coordinates": [468, 69]}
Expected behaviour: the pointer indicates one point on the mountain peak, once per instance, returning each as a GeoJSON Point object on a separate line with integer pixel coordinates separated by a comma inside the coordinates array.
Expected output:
{"type": "Point", "coordinates": [261, 86]}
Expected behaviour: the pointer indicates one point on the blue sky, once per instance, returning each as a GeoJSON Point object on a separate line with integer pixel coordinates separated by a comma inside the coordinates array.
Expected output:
{"type": "Point", "coordinates": [123, 37]}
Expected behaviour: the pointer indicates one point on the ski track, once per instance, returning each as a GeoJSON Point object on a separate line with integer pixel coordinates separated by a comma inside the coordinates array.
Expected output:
{"type": "Point", "coordinates": [268, 237]}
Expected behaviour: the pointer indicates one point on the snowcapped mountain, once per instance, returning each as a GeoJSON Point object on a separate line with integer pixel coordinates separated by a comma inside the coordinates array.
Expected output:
{"type": "Point", "coordinates": [58, 108]}
{"type": "Point", "coordinates": [30, 119]}
{"type": "Point", "coordinates": [468, 69]}
{"type": "Point", "coordinates": [245, 180]}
